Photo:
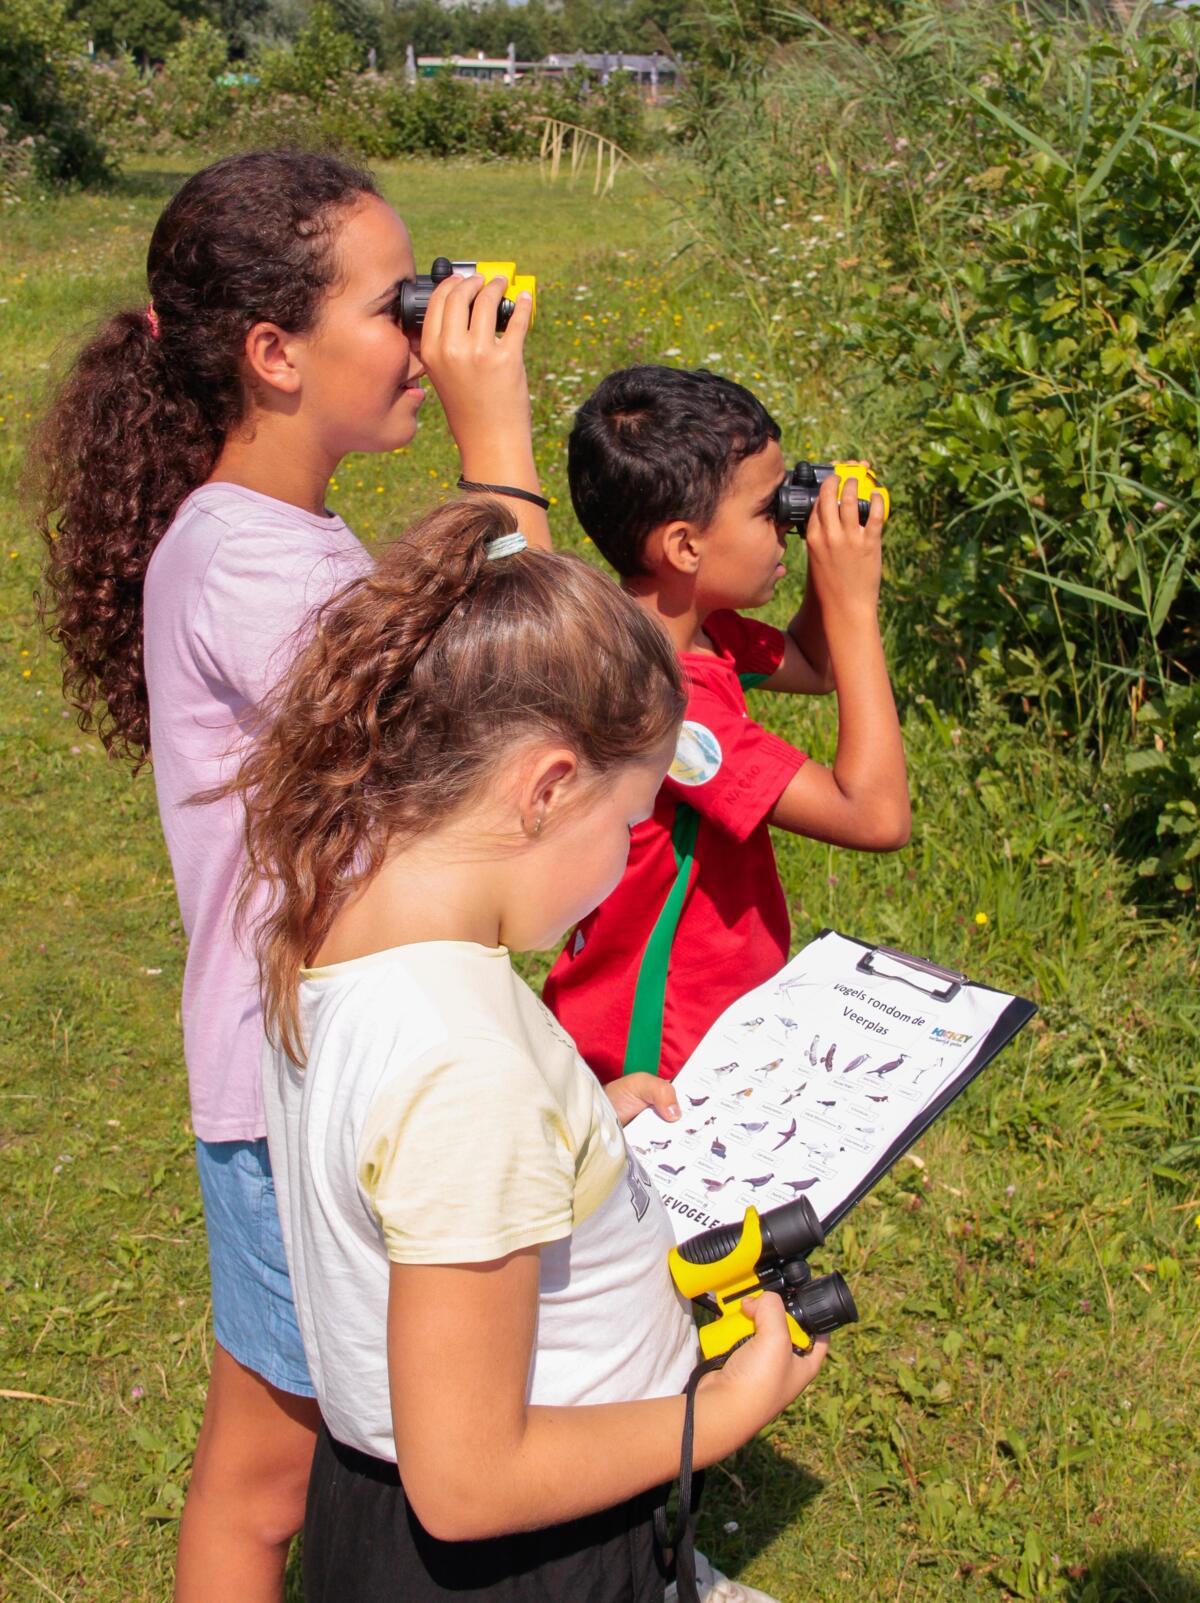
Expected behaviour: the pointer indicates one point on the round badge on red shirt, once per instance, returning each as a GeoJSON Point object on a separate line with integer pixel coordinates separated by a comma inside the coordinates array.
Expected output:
{"type": "Point", "coordinates": [697, 755]}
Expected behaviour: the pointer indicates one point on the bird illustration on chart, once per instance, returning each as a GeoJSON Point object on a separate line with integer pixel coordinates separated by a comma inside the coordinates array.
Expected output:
{"type": "Point", "coordinates": [801, 1185]}
{"type": "Point", "coordinates": [812, 1050]}
{"type": "Point", "coordinates": [856, 1063]}
{"type": "Point", "coordinates": [886, 1068]}
{"type": "Point", "coordinates": [748, 1091]}
{"type": "Point", "coordinates": [792, 1095]}
{"type": "Point", "coordinates": [717, 1149]}
{"type": "Point", "coordinates": [658, 1146]}
{"type": "Point", "coordinates": [763, 1179]}
{"type": "Point", "coordinates": [828, 1058]}
{"type": "Point", "coordinates": [697, 1101]}
{"type": "Point", "coordinates": [667, 1169]}
{"type": "Point", "coordinates": [789, 1026]}
{"type": "Point", "coordinates": [825, 1104]}
{"type": "Point", "coordinates": [753, 1129]}
{"type": "Point", "coordinates": [713, 1186]}
{"type": "Point", "coordinates": [796, 983]}
{"type": "Point", "coordinates": [785, 1136]}
{"type": "Point", "coordinates": [871, 1098]}
{"type": "Point", "coordinates": [750, 1025]}
{"type": "Point", "coordinates": [767, 1068]}
{"type": "Point", "coordinates": [726, 1068]}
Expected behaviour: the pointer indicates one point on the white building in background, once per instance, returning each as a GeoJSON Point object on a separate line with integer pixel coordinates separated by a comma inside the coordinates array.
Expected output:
{"type": "Point", "coordinates": [654, 74]}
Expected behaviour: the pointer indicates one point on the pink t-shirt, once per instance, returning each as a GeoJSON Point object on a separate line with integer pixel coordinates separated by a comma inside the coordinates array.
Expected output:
{"type": "Point", "coordinates": [228, 587]}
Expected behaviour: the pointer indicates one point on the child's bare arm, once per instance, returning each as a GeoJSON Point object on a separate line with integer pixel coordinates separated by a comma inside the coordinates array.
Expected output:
{"type": "Point", "coordinates": [480, 381]}
{"type": "Point", "coordinates": [806, 669]}
{"type": "Point", "coordinates": [477, 1461]}
{"type": "Point", "coordinates": [862, 801]}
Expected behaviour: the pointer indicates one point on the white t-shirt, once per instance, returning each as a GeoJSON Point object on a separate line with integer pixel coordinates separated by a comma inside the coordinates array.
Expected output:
{"type": "Point", "coordinates": [444, 1116]}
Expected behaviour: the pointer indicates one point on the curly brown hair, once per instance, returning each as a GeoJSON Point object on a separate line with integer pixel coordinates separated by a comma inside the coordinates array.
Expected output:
{"type": "Point", "coordinates": [419, 677]}
{"type": "Point", "coordinates": [145, 409]}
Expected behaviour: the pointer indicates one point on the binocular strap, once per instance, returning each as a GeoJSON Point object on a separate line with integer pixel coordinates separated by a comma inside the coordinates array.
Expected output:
{"type": "Point", "coordinates": [677, 1549]}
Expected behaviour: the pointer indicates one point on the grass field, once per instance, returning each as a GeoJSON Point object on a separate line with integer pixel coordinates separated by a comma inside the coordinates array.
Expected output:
{"type": "Point", "coordinates": [1013, 1416]}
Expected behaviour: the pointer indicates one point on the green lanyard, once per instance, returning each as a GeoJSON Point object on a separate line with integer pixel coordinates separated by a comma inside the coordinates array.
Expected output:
{"type": "Point", "coordinates": [643, 1048]}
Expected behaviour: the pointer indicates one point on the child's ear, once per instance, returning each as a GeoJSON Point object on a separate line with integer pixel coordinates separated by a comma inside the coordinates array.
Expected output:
{"type": "Point", "coordinates": [549, 785]}
{"type": "Point", "coordinates": [679, 547]}
{"type": "Point", "coordinates": [269, 358]}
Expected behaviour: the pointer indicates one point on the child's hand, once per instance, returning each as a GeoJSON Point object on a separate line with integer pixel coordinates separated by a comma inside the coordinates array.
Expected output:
{"type": "Point", "coordinates": [633, 1092]}
{"type": "Point", "coordinates": [764, 1372]}
{"type": "Point", "coordinates": [845, 558]}
{"type": "Point", "coordinates": [479, 376]}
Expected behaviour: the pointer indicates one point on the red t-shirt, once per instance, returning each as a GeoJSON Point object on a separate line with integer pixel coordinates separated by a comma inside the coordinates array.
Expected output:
{"type": "Point", "coordinates": [733, 930]}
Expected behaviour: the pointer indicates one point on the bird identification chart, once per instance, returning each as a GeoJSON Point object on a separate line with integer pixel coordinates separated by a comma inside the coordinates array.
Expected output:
{"type": "Point", "coordinates": [815, 1083]}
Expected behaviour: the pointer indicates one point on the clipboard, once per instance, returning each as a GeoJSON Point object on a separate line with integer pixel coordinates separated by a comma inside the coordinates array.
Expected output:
{"type": "Point", "coordinates": [906, 1037]}
{"type": "Point", "coordinates": [1012, 1020]}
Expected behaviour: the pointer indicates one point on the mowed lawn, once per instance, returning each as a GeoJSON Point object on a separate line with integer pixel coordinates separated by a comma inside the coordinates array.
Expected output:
{"type": "Point", "coordinates": [1014, 1413]}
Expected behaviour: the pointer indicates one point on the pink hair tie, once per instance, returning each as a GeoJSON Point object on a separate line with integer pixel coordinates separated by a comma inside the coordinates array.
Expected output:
{"type": "Point", "coordinates": [152, 319]}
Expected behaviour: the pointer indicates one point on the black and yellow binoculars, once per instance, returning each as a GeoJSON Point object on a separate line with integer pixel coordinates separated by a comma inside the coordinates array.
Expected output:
{"type": "Point", "coordinates": [415, 295]}
{"type": "Point", "coordinates": [797, 495]}
{"type": "Point", "coordinates": [766, 1252]}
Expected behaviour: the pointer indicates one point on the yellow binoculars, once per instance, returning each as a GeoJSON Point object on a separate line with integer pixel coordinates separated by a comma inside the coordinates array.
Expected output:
{"type": "Point", "coordinates": [797, 495]}
{"type": "Point", "coordinates": [766, 1252]}
{"type": "Point", "coordinates": [415, 295]}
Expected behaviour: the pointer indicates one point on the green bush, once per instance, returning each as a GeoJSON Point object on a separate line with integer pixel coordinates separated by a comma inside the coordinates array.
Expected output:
{"type": "Point", "coordinates": [193, 68]}
{"type": "Point", "coordinates": [145, 28]}
{"type": "Point", "coordinates": [1064, 436]}
{"type": "Point", "coordinates": [1161, 785]}
{"type": "Point", "coordinates": [990, 243]}
{"type": "Point", "coordinates": [315, 65]}
{"type": "Point", "coordinates": [312, 93]}
{"type": "Point", "coordinates": [46, 134]}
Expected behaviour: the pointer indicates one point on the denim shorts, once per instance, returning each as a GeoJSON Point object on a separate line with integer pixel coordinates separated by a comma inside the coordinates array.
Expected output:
{"type": "Point", "coordinates": [254, 1317]}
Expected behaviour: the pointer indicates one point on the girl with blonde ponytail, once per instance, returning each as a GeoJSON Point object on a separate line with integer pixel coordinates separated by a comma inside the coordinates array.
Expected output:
{"type": "Point", "coordinates": [449, 773]}
{"type": "Point", "coordinates": [183, 471]}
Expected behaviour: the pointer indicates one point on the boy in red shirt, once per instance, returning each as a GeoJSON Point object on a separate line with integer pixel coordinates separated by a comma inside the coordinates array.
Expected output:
{"type": "Point", "coordinates": [674, 476]}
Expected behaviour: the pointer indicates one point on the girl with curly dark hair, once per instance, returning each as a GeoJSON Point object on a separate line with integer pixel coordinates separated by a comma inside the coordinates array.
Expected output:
{"type": "Point", "coordinates": [183, 475]}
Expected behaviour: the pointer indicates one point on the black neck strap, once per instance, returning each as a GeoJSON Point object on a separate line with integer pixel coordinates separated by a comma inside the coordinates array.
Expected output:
{"type": "Point", "coordinates": [678, 1548]}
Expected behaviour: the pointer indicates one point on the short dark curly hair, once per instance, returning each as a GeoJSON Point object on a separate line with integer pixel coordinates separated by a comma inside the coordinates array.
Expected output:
{"type": "Point", "coordinates": [651, 444]}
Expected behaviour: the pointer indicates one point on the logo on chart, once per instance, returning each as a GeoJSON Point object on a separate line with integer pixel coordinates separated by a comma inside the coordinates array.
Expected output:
{"type": "Point", "coordinates": [948, 1037]}
{"type": "Point", "coordinates": [697, 755]}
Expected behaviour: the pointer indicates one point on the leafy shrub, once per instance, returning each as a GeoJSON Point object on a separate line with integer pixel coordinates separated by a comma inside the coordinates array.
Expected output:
{"type": "Point", "coordinates": [990, 242]}
{"type": "Point", "coordinates": [193, 68]}
{"type": "Point", "coordinates": [1064, 438]}
{"type": "Point", "coordinates": [322, 56]}
{"type": "Point", "coordinates": [145, 28]}
{"type": "Point", "coordinates": [46, 134]}
{"type": "Point", "coordinates": [1161, 785]}
{"type": "Point", "coordinates": [121, 100]}
{"type": "Point", "coordinates": [313, 93]}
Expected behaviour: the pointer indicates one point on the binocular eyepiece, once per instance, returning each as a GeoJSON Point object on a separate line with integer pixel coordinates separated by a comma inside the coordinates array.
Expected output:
{"type": "Point", "coordinates": [797, 495]}
{"type": "Point", "coordinates": [413, 299]}
{"type": "Point", "coordinates": [766, 1252]}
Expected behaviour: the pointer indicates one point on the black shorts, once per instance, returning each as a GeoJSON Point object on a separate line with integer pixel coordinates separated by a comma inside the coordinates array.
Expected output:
{"type": "Point", "coordinates": [363, 1544]}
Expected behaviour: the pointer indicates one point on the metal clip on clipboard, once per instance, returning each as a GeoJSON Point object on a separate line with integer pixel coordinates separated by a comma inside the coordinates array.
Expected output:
{"type": "Point", "coordinates": [950, 980]}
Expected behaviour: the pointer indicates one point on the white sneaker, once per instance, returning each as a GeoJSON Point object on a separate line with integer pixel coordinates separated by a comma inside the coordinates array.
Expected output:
{"type": "Point", "coordinates": [714, 1587]}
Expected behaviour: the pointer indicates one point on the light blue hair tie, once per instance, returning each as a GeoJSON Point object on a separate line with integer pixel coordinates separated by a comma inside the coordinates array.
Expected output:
{"type": "Point", "coordinates": [505, 545]}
